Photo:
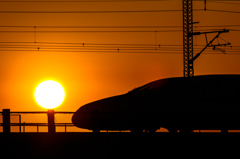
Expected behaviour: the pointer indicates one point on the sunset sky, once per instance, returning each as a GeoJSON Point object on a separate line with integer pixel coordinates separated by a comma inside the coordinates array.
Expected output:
{"type": "Point", "coordinates": [117, 52]}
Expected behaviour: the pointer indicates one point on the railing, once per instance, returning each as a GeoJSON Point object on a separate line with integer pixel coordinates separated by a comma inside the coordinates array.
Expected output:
{"type": "Point", "coordinates": [51, 125]}
{"type": "Point", "coordinates": [6, 124]}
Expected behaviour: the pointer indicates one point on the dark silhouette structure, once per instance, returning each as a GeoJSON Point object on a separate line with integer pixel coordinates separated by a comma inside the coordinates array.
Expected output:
{"type": "Point", "coordinates": [6, 124]}
{"type": "Point", "coordinates": [212, 103]}
{"type": "Point", "coordinates": [188, 57]}
{"type": "Point", "coordinates": [6, 120]}
{"type": "Point", "coordinates": [51, 122]}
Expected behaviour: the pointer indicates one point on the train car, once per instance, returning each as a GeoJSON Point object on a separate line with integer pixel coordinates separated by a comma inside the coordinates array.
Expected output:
{"type": "Point", "coordinates": [206, 102]}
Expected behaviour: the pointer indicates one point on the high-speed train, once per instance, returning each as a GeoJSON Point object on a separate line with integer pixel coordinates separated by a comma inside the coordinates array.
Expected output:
{"type": "Point", "coordinates": [206, 102]}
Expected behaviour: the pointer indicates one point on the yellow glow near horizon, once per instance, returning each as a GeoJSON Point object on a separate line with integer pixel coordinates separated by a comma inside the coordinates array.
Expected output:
{"type": "Point", "coordinates": [49, 94]}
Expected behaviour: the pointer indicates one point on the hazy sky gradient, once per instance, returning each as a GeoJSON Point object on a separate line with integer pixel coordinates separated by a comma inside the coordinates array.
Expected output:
{"type": "Point", "coordinates": [89, 76]}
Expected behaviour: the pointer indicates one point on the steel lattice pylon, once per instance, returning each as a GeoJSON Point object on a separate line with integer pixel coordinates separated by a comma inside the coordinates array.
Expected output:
{"type": "Point", "coordinates": [187, 38]}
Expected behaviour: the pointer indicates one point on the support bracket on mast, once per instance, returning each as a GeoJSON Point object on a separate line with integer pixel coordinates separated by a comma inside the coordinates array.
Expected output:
{"type": "Point", "coordinates": [210, 43]}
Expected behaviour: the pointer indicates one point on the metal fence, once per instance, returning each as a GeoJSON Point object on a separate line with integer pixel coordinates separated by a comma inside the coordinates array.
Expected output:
{"type": "Point", "coordinates": [6, 123]}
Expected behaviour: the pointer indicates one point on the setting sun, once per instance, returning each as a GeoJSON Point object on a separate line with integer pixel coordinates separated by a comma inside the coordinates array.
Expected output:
{"type": "Point", "coordinates": [49, 94]}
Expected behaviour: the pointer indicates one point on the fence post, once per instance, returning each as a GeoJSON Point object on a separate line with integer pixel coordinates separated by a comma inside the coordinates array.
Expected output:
{"type": "Point", "coordinates": [6, 120]}
{"type": "Point", "coordinates": [20, 125]}
{"type": "Point", "coordinates": [51, 123]}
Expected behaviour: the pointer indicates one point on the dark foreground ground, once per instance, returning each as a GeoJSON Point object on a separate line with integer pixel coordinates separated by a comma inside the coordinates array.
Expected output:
{"type": "Point", "coordinates": [119, 145]}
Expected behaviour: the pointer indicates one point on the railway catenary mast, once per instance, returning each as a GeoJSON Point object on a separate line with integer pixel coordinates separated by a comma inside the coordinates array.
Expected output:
{"type": "Point", "coordinates": [187, 38]}
{"type": "Point", "coordinates": [188, 34]}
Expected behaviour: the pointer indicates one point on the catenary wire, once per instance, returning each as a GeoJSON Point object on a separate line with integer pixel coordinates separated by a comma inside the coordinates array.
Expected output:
{"type": "Point", "coordinates": [112, 27]}
{"type": "Point", "coordinates": [104, 11]}
{"type": "Point", "coordinates": [101, 1]}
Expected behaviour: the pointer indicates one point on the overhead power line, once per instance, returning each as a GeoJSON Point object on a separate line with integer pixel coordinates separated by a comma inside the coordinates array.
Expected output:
{"type": "Point", "coordinates": [107, 31]}
{"type": "Point", "coordinates": [90, 44]}
{"type": "Point", "coordinates": [63, 1]}
{"type": "Point", "coordinates": [113, 51]}
{"type": "Point", "coordinates": [99, 31]}
{"type": "Point", "coordinates": [225, 11]}
{"type": "Point", "coordinates": [91, 26]}
{"type": "Point", "coordinates": [104, 47]}
{"type": "Point", "coordinates": [113, 27]}
{"type": "Point", "coordinates": [44, 1]}
{"type": "Point", "coordinates": [226, 2]}
{"type": "Point", "coordinates": [117, 11]}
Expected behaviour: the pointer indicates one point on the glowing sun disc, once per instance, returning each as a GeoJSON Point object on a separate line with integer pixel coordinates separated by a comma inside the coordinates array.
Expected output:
{"type": "Point", "coordinates": [49, 94]}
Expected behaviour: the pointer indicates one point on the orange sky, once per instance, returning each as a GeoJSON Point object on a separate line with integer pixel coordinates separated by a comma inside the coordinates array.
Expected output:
{"type": "Point", "coordinates": [89, 76]}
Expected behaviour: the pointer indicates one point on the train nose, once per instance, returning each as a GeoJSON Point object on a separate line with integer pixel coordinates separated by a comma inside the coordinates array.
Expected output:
{"type": "Point", "coordinates": [82, 119]}
{"type": "Point", "coordinates": [92, 114]}
{"type": "Point", "coordinates": [75, 118]}
{"type": "Point", "coordinates": [86, 116]}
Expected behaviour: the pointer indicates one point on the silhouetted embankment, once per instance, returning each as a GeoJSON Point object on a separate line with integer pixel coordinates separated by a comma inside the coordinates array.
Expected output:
{"type": "Point", "coordinates": [117, 145]}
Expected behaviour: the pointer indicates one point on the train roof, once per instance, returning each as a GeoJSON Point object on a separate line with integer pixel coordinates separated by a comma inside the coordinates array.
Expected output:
{"type": "Point", "coordinates": [181, 83]}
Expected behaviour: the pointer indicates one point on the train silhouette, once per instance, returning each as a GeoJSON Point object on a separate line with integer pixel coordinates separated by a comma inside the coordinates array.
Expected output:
{"type": "Point", "coordinates": [206, 102]}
